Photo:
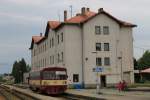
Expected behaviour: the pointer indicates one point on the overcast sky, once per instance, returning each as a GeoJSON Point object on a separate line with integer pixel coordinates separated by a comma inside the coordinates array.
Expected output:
{"type": "Point", "coordinates": [21, 19]}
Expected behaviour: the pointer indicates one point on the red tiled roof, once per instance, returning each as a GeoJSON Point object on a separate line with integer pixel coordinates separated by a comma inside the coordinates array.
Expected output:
{"type": "Point", "coordinates": [37, 38]}
{"type": "Point", "coordinates": [53, 24]}
{"type": "Point", "coordinates": [87, 16]}
{"type": "Point", "coordinates": [80, 18]}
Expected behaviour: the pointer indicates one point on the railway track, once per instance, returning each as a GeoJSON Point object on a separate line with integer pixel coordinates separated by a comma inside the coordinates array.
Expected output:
{"type": "Point", "coordinates": [15, 93]}
{"type": "Point", "coordinates": [30, 95]}
{"type": "Point", "coordinates": [8, 93]}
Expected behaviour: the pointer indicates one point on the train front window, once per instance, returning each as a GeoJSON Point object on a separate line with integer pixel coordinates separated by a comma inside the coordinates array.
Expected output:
{"type": "Point", "coordinates": [49, 75]}
{"type": "Point", "coordinates": [54, 75]}
{"type": "Point", "coordinates": [61, 75]}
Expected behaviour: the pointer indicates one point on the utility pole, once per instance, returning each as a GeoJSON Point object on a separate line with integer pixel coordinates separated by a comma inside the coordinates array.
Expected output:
{"type": "Point", "coordinates": [97, 78]}
{"type": "Point", "coordinates": [58, 15]}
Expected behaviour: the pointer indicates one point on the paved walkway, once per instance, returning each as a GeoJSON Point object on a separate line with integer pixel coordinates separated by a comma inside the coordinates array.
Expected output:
{"type": "Point", "coordinates": [112, 94]}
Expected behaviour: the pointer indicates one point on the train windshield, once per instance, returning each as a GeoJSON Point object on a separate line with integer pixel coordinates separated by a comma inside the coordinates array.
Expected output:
{"type": "Point", "coordinates": [55, 75]}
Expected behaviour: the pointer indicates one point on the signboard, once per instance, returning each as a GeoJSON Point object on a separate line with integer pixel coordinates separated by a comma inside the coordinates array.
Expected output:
{"type": "Point", "coordinates": [98, 69]}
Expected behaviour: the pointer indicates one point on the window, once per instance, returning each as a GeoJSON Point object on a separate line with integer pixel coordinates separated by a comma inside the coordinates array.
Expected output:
{"type": "Point", "coordinates": [45, 46]}
{"type": "Point", "coordinates": [98, 62]}
{"type": "Point", "coordinates": [75, 77]}
{"type": "Point", "coordinates": [98, 46]}
{"type": "Point", "coordinates": [58, 38]}
{"type": "Point", "coordinates": [45, 61]}
{"type": "Point", "coordinates": [62, 56]}
{"type": "Point", "coordinates": [58, 58]}
{"type": "Point", "coordinates": [50, 60]}
{"type": "Point", "coordinates": [106, 46]}
{"type": "Point", "coordinates": [97, 30]}
{"type": "Point", "coordinates": [62, 37]}
{"type": "Point", "coordinates": [105, 30]}
{"type": "Point", "coordinates": [107, 61]}
{"type": "Point", "coordinates": [52, 42]}
{"type": "Point", "coordinates": [53, 60]}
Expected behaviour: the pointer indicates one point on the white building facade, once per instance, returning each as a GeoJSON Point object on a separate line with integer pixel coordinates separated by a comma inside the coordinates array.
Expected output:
{"type": "Point", "coordinates": [84, 42]}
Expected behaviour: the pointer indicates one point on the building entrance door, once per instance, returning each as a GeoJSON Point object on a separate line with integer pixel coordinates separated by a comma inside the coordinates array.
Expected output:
{"type": "Point", "coordinates": [103, 81]}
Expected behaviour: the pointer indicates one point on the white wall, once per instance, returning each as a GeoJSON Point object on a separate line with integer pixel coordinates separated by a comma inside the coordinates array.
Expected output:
{"type": "Point", "coordinates": [73, 51]}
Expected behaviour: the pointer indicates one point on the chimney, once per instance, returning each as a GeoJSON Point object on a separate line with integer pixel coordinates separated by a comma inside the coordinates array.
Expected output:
{"type": "Point", "coordinates": [83, 10]}
{"type": "Point", "coordinates": [41, 34]}
{"type": "Point", "coordinates": [88, 9]}
{"type": "Point", "coordinates": [65, 15]}
{"type": "Point", "coordinates": [100, 10]}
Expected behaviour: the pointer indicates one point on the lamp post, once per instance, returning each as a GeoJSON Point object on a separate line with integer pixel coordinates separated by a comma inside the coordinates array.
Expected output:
{"type": "Point", "coordinates": [97, 78]}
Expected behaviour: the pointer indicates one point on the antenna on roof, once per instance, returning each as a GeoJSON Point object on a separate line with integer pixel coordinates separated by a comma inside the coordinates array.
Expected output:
{"type": "Point", "coordinates": [70, 10]}
{"type": "Point", "coordinates": [58, 15]}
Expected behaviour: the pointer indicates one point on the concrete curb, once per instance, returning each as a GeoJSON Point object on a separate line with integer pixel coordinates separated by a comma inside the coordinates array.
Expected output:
{"type": "Point", "coordinates": [84, 96]}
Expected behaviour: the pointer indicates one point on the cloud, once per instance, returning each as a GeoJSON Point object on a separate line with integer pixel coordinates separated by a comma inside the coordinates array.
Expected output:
{"type": "Point", "coordinates": [22, 17]}
{"type": "Point", "coordinates": [27, 2]}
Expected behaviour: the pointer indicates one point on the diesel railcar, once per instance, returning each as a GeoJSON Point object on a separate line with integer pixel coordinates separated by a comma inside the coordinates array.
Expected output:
{"type": "Point", "coordinates": [52, 80]}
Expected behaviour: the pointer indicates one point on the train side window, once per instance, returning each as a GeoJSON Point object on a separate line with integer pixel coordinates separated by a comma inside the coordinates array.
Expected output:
{"type": "Point", "coordinates": [75, 77]}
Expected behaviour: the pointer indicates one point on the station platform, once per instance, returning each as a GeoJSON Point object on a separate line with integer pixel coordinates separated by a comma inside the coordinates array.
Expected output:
{"type": "Point", "coordinates": [109, 94]}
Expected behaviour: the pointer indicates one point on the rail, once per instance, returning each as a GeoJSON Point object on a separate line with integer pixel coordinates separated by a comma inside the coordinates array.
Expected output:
{"type": "Point", "coordinates": [15, 93]}
{"type": "Point", "coordinates": [18, 91]}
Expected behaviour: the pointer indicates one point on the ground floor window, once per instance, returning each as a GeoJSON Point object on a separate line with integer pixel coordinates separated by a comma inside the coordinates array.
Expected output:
{"type": "Point", "coordinates": [75, 77]}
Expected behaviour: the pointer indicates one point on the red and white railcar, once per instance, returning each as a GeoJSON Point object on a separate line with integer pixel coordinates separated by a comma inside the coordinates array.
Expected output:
{"type": "Point", "coordinates": [52, 80]}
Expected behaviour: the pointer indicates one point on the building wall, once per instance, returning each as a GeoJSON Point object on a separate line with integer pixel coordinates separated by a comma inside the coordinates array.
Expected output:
{"type": "Point", "coordinates": [73, 52]}
{"type": "Point", "coordinates": [126, 45]}
{"type": "Point", "coordinates": [119, 39]}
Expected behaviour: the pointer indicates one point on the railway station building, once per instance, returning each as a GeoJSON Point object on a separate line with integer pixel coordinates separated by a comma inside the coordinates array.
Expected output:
{"type": "Point", "coordinates": [85, 42]}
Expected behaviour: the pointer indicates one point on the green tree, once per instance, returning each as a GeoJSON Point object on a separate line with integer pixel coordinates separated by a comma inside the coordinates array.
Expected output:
{"type": "Point", "coordinates": [1, 79]}
{"type": "Point", "coordinates": [135, 64]}
{"type": "Point", "coordinates": [15, 71]}
{"type": "Point", "coordinates": [144, 61]}
{"type": "Point", "coordinates": [19, 68]}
